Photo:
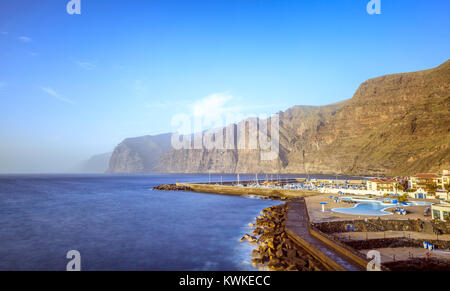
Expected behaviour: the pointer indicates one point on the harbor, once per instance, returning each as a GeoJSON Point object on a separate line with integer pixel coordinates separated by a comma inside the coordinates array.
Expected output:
{"type": "Point", "coordinates": [337, 221]}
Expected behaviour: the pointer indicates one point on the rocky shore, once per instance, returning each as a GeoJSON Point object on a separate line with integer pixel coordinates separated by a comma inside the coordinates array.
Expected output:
{"type": "Point", "coordinates": [274, 250]}
{"type": "Point", "coordinates": [172, 187]}
{"type": "Point", "coordinates": [273, 198]}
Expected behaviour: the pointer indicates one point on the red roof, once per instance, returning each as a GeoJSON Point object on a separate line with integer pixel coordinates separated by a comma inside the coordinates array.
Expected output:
{"type": "Point", "coordinates": [427, 176]}
{"type": "Point", "coordinates": [383, 181]}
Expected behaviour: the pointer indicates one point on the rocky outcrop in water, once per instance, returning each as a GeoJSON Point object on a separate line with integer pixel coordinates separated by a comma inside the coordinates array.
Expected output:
{"type": "Point", "coordinates": [172, 187]}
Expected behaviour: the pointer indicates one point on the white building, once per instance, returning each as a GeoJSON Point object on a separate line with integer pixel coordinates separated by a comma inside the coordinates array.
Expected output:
{"type": "Point", "coordinates": [443, 194]}
{"type": "Point", "coordinates": [429, 180]}
{"type": "Point", "coordinates": [420, 194]}
{"type": "Point", "coordinates": [388, 186]}
{"type": "Point", "coordinates": [441, 211]}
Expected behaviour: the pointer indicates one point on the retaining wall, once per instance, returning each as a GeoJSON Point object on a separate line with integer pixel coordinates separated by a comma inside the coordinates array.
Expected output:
{"type": "Point", "coordinates": [378, 225]}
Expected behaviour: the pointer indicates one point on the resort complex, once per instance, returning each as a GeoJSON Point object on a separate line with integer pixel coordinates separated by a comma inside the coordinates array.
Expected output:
{"type": "Point", "coordinates": [431, 190]}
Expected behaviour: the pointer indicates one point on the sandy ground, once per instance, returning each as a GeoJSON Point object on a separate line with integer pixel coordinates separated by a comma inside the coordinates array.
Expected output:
{"type": "Point", "coordinates": [316, 214]}
{"type": "Point", "coordinates": [403, 254]}
{"type": "Point", "coordinates": [389, 234]}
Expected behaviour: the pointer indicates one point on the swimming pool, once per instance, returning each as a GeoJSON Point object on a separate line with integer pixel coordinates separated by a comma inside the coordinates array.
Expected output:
{"type": "Point", "coordinates": [419, 203]}
{"type": "Point", "coordinates": [372, 207]}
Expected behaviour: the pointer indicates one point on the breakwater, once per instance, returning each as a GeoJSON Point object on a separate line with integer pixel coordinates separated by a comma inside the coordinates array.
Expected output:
{"type": "Point", "coordinates": [172, 187]}
{"type": "Point", "coordinates": [280, 247]}
{"type": "Point", "coordinates": [274, 249]}
{"type": "Point", "coordinates": [271, 193]}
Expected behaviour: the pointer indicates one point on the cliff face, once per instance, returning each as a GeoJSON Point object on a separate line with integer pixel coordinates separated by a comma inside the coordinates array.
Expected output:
{"type": "Point", "coordinates": [139, 155]}
{"type": "Point", "coordinates": [298, 127]}
{"type": "Point", "coordinates": [395, 124]}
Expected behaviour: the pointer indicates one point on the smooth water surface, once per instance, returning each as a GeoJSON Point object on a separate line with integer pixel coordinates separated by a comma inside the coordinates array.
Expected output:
{"type": "Point", "coordinates": [120, 223]}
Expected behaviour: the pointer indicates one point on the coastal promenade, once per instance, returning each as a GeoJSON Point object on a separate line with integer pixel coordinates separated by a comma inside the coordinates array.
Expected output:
{"type": "Point", "coordinates": [297, 226]}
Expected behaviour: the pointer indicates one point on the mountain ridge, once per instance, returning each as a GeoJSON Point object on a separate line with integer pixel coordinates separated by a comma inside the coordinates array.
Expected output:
{"type": "Point", "coordinates": [396, 124]}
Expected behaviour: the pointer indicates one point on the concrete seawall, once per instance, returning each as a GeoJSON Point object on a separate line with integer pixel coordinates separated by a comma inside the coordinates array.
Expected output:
{"type": "Point", "coordinates": [352, 255]}
{"type": "Point", "coordinates": [380, 225]}
{"type": "Point", "coordinates": [298, 229]}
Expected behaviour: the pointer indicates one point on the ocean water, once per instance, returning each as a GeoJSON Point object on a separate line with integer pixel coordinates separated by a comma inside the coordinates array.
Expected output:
{"type": "Point", "coordinates": [120, 223]}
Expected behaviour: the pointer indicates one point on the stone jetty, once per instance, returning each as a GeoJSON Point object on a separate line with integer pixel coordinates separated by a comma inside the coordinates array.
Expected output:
{"type": "Point", "coordinates": [274, 250]}
{"type": "Point", "coordinates": [172, 187]}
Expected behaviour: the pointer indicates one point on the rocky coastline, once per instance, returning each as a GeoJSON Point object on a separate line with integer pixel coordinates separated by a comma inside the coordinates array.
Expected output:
{"type": "Point", "coordinates": [172, 187]}
{"type": "Point", "coordinates": [273, 249]}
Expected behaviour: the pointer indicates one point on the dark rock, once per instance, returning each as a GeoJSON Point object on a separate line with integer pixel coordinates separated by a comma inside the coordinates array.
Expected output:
{"type": "Point", "coordinates": [172, 187]}
{"type": "Point", "coordinates": [276, 250]}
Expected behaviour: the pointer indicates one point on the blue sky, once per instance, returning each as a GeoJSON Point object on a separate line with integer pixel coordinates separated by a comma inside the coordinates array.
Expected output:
{"type": "Point", "coordinates": [76, 85]}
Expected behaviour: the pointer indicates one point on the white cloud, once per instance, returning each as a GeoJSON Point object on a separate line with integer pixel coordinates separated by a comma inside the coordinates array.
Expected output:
{"type": "Point", "coordinates": [214, 105]}
{"type": "Point", "coordinates": [216, 111]}
{"type": "Point", "coordinates": [85, 65]}
{"type": "Point", "coordinates": [139, 87]}
{"type": "Point", "coordinates": [53, 93]}
{"type": "Point", "coordinates": [24, 39]}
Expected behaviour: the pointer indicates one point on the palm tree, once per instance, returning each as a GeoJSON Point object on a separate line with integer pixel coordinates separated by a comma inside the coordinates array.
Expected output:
{"type": "Point", "coordinates": [396, 187]}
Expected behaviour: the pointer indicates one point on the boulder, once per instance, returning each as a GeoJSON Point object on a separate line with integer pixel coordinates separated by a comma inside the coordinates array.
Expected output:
{"type": "Point", "coordinates": [279, 253]}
